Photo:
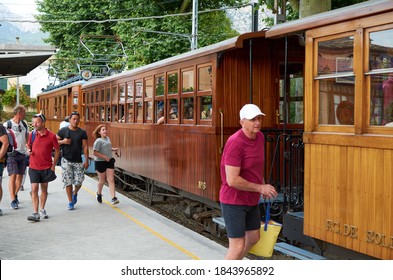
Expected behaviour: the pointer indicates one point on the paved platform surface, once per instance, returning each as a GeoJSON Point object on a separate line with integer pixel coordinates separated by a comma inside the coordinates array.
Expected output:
{"type": "Point", "coordinates": [93, 231]}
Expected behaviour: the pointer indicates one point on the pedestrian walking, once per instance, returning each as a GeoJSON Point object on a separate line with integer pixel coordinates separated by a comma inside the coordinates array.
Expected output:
{"type": "Point", "coordinates": [41, 143]}
{"type": "Point", "coordinates": [16, 161]}
{"type": "Point", "coordinates": [242, 168]}
{"type": "Point", "coordinates": [104, 162]}
{"type": "Point", "coordinates": [74, 142]}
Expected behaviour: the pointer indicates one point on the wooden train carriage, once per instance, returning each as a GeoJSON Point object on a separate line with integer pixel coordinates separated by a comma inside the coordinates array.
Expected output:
{"type": "Point", "coordinates": [199, 94]}
{"type": "Point", "coordinates": [58, 102]}
{"type": "Point", "coordinates": [348, 126]}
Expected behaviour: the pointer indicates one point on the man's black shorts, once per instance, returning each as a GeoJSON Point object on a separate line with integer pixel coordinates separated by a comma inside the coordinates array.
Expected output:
{"type": "Point", "coordinates": [240, 218]}
{"type": "Point", "coordinates": [41, 176]}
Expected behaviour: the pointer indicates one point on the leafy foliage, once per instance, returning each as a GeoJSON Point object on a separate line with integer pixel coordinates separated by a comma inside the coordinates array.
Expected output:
{"type": "Point", "coordinates": [9, 97]}
{"type": "Point", "coordinates": [146, 35]}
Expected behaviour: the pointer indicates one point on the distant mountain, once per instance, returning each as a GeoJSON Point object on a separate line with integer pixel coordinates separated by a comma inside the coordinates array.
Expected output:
{"type": "Point", "coordinates": [28, 33]}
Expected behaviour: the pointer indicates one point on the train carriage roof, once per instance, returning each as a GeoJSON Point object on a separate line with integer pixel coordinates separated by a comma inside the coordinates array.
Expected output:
{"type": "Point", "coordinates": [331, 17]}
{"type": "Point", "coordinates": [229, 44]}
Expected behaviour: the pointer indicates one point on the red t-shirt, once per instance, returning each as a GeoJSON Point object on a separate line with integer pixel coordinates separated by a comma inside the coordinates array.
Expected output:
{"type": "Point", "coordinates": [249, 155]}
{"type": "Point", "coordinates": [43, 145]}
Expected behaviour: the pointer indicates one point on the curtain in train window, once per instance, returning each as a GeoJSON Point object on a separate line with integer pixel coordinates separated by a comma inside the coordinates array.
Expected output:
{"type": "Point", "coordinates": [336, 81]}
{"type": "Point", "coordinates": [381, 77]}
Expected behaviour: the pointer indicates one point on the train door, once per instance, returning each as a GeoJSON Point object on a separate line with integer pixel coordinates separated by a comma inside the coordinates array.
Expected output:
{"type": "Point", "coordinates": [284, 142]}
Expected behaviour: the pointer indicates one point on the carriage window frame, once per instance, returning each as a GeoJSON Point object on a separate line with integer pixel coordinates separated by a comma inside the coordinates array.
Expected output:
{"type": "Point", "coordinates": [138, 104]}
{"type": "Point", "coordinates": [203, 93]}
{"type": "Point", "coordinates": [369, 74]}
{"type": "Point", "coordinates": [336, 77]}
{"type": "Point", "coordinates": [186, 94]}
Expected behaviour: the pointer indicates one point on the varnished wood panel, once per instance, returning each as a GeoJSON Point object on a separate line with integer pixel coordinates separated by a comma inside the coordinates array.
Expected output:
{"type": "Point", "coordinates": [348, 197]}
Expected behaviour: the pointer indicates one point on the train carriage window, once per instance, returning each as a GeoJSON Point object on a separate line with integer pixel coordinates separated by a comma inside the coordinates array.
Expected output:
{"type": "Point", "coordinates": [114, 94]}
{"type": "Point", "coordinates": [108, 94]}
{"type": "Point", "coordinates": [97, 97]}
{"type": "Point", "coordinates": [92, 97]}
{"type": "Point", "coordinates": [121, 113]}
{"type": "Point", "coordinates": [148, 111]}
{"type": "Point", "coordinates": [188, 81]}
{"type": "Point", "coordinates": [114, 117]}
{"type": "Point", "coordinates": [336, 81]}
{"type": "Point", "coordinates": [102, 95]}
{"type": "Point", "coordinates": [139, 112]}
{"type": "Point", "coordinates": [130, 113]}
{"type": "Point", "coordinates": [149, 87]}
{"type": "Point", "coordinates": [205, 78]}
{"type": "Point", "coordinates": [101, 114]}
{"type": "Point", "coordinates": [159, 85]}
{"type": "Point", "coordinates": [107, 113]}
{"type": "Point", "coordinates": [295, 93]}
{"type": "Point", "coordinates": [381, 77]}
{"type": "Point", "coordinates": [159, 111]}
{"type": "Point", "coordinates": [87, 114]}
{"type": "Point", "coordinates": [122, 92]}
{"type": "Point", "coordinates": [188, 108]}
{"type": "Point", "coordinates": [173, 83]}
{"type": "Point", "coordinates": [138, 89]}
{"type": "Point", "coordinates": [172, 110]}
{"type": "Point", "coordinates": [206, 107]}
{"type": "Point", "coordinates": [130, 90]}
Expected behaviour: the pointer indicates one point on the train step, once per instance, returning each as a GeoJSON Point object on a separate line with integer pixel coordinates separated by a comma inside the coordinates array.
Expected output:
{"type": "Point", "coordinates": [283, 247]}
{"type": "Point", "coordinates": [296, 252]}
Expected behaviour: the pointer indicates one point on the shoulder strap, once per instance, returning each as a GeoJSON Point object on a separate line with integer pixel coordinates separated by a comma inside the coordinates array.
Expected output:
{"type": "Point", "coordinates": [14, 144]}
{"type": "Point", "coordinates": [24, 124]}
{"type": "Point", "coordinates": [9, 124]}
{"type": "Point", "coordinates": [31, 139]}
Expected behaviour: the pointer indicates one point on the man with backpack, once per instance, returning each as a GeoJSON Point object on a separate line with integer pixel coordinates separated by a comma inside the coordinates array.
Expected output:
{"type": "Point", "coordinates": [3, 153]}
{"type": "Point", "coordinates": [16, 161]}
{"type": "Point", "coordinates": [42, 168]}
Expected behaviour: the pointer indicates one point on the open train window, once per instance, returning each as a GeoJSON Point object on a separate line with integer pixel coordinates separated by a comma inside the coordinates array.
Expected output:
{"type": "Point", "coordinates": [335, 80]}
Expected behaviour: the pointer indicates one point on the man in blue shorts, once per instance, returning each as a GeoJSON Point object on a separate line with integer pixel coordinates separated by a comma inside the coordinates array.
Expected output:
{"type": "Point", "coordinates": [74, 141]}
{"type": "Point", "coordinates": [242, 168]}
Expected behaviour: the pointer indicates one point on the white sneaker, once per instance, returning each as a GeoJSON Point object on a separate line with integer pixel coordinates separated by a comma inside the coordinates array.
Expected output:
{"type": "Point", "coordinates": [43, 214]}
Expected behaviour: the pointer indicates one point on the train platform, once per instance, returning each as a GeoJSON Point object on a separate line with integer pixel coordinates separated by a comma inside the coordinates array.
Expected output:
{"type": "Point", "coordinates": [93, 231]}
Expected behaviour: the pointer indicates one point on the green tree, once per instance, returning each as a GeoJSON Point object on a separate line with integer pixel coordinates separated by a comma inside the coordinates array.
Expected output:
{"type": "Point", "coordinates": [147, 38]}
{"type": "Point", "coordinates": [9, 97]}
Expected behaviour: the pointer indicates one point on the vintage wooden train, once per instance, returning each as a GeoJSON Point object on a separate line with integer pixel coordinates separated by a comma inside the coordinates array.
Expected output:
{"type": "Point", "coordinates": [325, 84]}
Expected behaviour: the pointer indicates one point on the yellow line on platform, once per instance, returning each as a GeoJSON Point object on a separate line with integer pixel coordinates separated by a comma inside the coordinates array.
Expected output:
{"type": "Point", "coordinates": [170, 242]}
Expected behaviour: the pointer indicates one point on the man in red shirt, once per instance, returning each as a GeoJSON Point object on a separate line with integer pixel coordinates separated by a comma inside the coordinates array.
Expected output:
{"type": "Point", "coordinates": [242, 168]}
{"type": "Point", "coordinates": [42, 168]}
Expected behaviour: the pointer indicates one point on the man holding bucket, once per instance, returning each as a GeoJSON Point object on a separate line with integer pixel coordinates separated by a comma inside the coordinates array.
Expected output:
{"type": "Point", "coordinates": [242, 168]}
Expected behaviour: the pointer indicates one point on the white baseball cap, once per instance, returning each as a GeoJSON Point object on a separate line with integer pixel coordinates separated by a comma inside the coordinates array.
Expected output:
{"type": "Point", "coordinates": [250, 111]}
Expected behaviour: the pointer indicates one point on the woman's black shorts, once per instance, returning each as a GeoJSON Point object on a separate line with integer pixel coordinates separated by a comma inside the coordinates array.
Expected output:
{"type": "Point", "coordinates": [102, 166]}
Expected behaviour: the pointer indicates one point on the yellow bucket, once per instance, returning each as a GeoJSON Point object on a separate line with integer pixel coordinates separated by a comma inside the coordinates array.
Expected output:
{"type": "Point", "coordinates": [265, 246]}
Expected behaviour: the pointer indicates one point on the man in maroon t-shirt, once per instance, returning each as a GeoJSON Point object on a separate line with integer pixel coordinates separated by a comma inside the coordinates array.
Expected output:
{"type": "Point", "coordinates": [242, 167]}
{"type": "Point", "coordinates": [42, 167]}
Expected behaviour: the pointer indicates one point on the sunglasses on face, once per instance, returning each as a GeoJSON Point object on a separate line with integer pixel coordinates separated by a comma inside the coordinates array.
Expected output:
{"type": "Point", "coordinates": [41, 116]}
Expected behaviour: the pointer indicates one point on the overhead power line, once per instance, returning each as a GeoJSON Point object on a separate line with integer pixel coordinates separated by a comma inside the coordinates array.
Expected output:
{"type": "Point", "coordinates": [118, 20]}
